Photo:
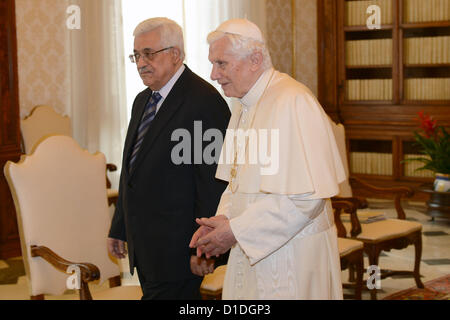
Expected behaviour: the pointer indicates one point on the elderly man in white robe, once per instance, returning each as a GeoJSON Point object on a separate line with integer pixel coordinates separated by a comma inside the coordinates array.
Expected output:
{"type": "Point", "coordinates": [276, 218]}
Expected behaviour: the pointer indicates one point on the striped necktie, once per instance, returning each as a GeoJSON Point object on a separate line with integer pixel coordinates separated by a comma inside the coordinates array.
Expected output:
{"type": "Point", "coordinates": [147, 118]}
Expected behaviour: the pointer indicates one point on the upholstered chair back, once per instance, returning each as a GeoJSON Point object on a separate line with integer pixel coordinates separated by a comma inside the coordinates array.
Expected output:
{"type": "Point", "coordinates": [345, 189]}
{"type": "Point", "coordinates": [60, 197]}
{"type": "Point", "coordinates": [42, 122]}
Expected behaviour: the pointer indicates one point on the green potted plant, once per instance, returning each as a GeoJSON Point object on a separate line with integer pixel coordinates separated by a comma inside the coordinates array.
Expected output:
{"type": "Point", "coordinates": [434, 142]}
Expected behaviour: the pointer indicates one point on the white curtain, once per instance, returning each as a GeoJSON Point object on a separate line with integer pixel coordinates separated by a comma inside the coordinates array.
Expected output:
{"type": "Point", "coordinates": [97, 103]}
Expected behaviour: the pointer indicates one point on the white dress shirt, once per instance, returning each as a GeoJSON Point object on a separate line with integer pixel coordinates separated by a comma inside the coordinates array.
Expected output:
{"type": "Point", "coordinates": [164, 91]}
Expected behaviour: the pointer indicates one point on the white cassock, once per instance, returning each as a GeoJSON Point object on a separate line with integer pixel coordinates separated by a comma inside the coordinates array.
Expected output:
{"type": "Point", "coordinates": [280, 213]}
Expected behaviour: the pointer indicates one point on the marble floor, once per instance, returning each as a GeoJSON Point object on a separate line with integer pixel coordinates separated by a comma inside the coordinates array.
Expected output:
{"type": "Point", "coordinates": [435, 261]}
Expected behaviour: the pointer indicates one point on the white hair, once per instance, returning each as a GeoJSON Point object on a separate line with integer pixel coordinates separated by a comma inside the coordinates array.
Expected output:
{"type": "Point", "coordinates": [243, 47]}
{"type": "Point", "coordinates": [170, 32]}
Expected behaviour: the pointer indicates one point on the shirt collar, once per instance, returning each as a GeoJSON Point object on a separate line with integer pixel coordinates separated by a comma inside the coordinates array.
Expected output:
{"type": "Point", "coordinates": [164, 91]}
{"type": "Point", "coordinates": [253, 95]}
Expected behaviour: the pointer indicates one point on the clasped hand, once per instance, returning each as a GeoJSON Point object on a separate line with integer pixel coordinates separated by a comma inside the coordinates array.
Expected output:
{"type": "Point", "coordinates": [214, 237]}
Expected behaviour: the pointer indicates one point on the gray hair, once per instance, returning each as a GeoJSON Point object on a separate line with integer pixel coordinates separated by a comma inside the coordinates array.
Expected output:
{"type": "Point", "coordinates": [170, 32]}
{"type": "Point", "coordinates": [243, 47]}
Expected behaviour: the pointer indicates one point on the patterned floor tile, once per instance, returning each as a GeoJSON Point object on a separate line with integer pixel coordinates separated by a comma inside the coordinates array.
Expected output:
{"type": "Point", "coordinates": [434, 262]}
{"type": "Point", "coordinates": [434, 233]}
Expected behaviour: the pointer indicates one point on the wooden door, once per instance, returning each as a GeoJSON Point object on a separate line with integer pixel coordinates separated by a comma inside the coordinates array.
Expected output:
{"type": "Point", "coordinates": [9, 126]}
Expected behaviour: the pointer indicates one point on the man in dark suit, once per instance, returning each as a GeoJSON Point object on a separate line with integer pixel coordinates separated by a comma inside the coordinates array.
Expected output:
{"type": "Point", "coordinates": [159, 198]}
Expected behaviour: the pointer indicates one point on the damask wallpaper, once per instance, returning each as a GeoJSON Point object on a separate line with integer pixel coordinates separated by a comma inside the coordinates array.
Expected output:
{"type": "Point", "coordinates": [306, 43]}
{"type": "Point", "coordinates": [279, 31]}
{"type": "Point", "coordinates": [42, 54]}
{"type": "Point", "coordinates": [279, 34]}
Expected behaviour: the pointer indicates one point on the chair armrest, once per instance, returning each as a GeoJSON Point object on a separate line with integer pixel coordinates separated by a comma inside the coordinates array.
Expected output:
{"type": "Point", "coordinates": [340, 206]}
{"type": "Point", "coordinates": [89, 272]}
{"type": "Point", "coordinates": [398, 193]}
{"type": "Point", "coordinates": [111, 167]}
{"type": "Point", "coordinates": [358, 202]}
{"type": "Point", "coordinates": [405, 191]}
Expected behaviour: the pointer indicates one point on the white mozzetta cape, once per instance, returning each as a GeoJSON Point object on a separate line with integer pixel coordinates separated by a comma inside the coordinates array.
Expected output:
{"type": "Point", "coordinates": [309, 160]}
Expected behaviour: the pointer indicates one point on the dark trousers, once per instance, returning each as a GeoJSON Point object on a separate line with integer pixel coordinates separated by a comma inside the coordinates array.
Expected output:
{"type": "Point", "coordinates": [186, 289]}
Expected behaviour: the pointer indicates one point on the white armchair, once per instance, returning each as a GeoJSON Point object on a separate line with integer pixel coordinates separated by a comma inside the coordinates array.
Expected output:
{"type": "Point", "coordinates": [59, 193]}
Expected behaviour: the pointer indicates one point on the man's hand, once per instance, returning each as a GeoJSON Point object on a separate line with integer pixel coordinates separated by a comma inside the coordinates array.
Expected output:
{"type": "Point", "coordinates": [116, 248]}
{"type": "Point", "coordinates": [218, 240]}
{"type": "Point", "coordinates": [202, 231]}
{"type": "Point", "coordinates": [201, 266]}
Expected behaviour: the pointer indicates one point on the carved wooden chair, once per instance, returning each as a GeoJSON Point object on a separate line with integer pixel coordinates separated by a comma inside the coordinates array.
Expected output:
{"type": "Point", "coordinates": [62, 211]}
{"type": "Point", "coordinates": [387, 234]}
{"type": "Point", "coordinates": [350, 250]}
{"type": "Point", "coordinates": [43, 122]}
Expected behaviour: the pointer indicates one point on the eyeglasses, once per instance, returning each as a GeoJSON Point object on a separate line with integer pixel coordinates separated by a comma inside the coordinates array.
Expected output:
{"type": "Point", "coordinates": [147, 54]}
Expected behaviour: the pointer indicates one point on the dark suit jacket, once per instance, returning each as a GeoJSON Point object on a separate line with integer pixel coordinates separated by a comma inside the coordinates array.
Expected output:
{"type": "Point", "coordinates": [158, 200]}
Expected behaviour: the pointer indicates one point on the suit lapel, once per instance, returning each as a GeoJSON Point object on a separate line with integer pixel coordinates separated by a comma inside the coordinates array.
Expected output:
{"type": "Point", "coordinates": [168, 109]}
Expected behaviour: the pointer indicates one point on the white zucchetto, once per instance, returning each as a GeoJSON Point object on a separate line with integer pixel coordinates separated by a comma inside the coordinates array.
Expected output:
{"type": "Point", "coordinates": [242, 27]}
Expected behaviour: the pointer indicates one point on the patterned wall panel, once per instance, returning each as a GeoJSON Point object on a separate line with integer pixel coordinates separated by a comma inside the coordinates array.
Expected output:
{"type": "Point", "coordinates": [279, 34]}
{"type": "Point", "coordinates": [279, 31]}
{"type": "Point", "coordinates": [306, 43]}
{"type": "Point", "coordinates": [42, 49]}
